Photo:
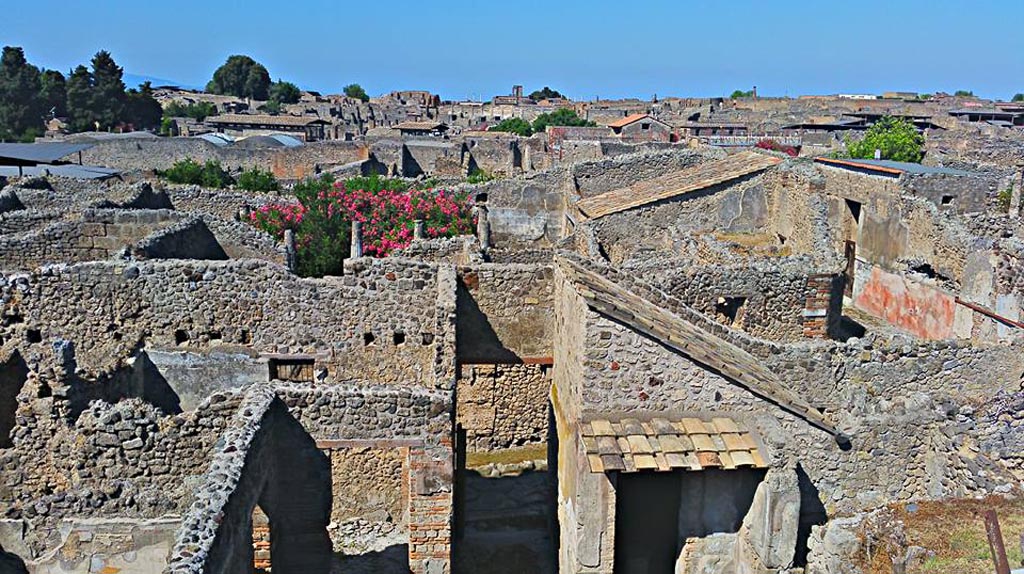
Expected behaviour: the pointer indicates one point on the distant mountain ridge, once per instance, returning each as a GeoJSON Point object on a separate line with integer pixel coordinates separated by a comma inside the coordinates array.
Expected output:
{"type": "Point", "coordinates": [133, 81]}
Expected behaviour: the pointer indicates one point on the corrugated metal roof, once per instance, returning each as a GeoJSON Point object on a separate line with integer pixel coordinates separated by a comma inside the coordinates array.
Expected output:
{"type": "Point", "coordinates": [287, 140]}
{"type": "Point", "coordinates": [219, 140]}
{"type": "Point", "coordinates": [892, 167]}
{"type": "Point", "coordinates": [40, 152]}
{"type": "Point", "coordinates": [67, 170]}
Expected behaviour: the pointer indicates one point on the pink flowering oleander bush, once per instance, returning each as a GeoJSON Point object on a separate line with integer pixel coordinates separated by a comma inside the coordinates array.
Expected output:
{"type": "Point", "coordinates": [387, 208]}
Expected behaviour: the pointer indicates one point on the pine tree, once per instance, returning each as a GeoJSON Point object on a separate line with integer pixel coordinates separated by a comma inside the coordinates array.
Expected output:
{"type": "Point", "coordinates": [20, 110]}
{"type": "Point", "coordinates": [53, 94]}
{"type": "Point", "coordinates": [79, 98]}
{"type": "Point", "coordinates": [107, 97]}
{"type": "Point", "coordinates": [242, 77]}
{"type": "Point", "coordinates": [143, 111]}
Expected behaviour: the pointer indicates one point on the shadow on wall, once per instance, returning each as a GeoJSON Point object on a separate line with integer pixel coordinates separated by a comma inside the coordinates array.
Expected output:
{"type": "Point", "coordinates": [142, 380]}
{"type": "Point", "coordinates": [11, 563]}
{"type": "Point", "coordinates": [812, 513]}
{"type": "Point", "coordinates": [13, 375]}
{"type": "Point", "coordinates": [392, 560]}
{"type": "Point", "coordinates": [475, 337]}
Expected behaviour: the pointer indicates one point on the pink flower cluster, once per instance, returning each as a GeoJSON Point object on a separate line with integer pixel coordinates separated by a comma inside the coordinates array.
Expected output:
{"type": "Point", "coordinates": [388, 216]}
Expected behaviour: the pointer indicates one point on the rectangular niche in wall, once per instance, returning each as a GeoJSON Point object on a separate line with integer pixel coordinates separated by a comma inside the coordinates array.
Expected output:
{"type": "Point", "coordinates": [298, 369]}
{"type": "Point", "coordinates": [729, 310]}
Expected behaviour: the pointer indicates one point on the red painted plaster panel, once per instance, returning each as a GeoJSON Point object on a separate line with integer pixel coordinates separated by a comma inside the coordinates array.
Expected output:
{"type": "Point", "coordinates": [913, 307]}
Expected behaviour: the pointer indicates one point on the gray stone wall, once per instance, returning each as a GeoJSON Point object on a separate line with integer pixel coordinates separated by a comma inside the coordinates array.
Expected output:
{"type": "Point", "coordinates": [503, 406]}
{"type": "Point", "coordinates": [504, 313]}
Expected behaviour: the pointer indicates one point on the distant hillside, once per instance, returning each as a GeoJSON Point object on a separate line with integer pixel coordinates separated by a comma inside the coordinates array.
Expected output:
{"type": "Point", "coordinates": [133, 80]}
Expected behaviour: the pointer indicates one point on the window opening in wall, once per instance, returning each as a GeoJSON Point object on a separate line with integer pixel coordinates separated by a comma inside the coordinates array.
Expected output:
{"type": "Point", "coordinates": [645, 126]}
{"type": "Point", "coordinates": [260, 541]}
{"type": "Point", "coordinates": [34, 336]}
{"type": "Point", "coordinates": [730, 310]}
{"type": "Point", "coordinates": [947, 199]}
{"type": "Point", "coordinates": [180, 337]}
{"type": "Point", "coordinates": [368, 339]}
{"type": "Point", "coordinates": [298, 369]}
{"type": "Point", "coordinates": [428, 338]}
{"type": "Point", "coordinates": [854, 209]}
{"type": "Point", "coordinates": [398, 338]}
{"type": "Point", "coordinates": [13, 375]}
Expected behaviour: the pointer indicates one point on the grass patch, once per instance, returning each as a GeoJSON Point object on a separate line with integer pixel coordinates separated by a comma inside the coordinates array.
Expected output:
{"type": "Point", "coordinates": [508, 455]}
{"type": "Point", "coordinates": [955, 531]}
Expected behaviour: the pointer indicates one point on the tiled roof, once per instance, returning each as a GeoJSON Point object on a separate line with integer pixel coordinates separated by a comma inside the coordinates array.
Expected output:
{"type": "Point", "coordinates": [426, 126]}
{"type": "Point", "coordinates": [630, 445]}
{"type": "Point", "coordinates": [627, 120]}
{"type": "Point", "coordinates": [684, 181]}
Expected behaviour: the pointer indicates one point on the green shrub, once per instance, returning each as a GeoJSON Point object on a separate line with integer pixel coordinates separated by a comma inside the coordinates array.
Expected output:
{"type": "Point", "coordinates": [516, 126]}
{"type": "Point", "coordinates": [560, 117]}
{"type": "Point", "coordinates": [478, 176]}
{"type": "Point", "coordinates": [897, 139]}
{"type": "Point", "coordinates": [256, 179]}
{"type": "Point", "coordinates": [191, 172]}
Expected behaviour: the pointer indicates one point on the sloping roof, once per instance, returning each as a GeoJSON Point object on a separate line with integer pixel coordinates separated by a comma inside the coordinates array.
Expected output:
{"type": "Point", "coordinates": [39, 152]}
{"type": "Point", "coordinates": [684, 181]}
{"type": "Point", "coordinates": [889, 167]}
{"type": "Point", "coordinates": [70, 170]}
{"type": "Point", "coordinates": [623, 122]}
{"type": "Point", "coordinates": [660, 443]}
{"type": "Point", "coordinates": [421, 126]}
{"type": "Point", "coordinates": [733, 363]}
{"type": "Point", "coordinates": [256, 119]}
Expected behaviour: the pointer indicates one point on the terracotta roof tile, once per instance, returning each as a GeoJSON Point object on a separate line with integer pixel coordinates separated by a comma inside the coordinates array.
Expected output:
{"type": "Point", "coordinates": [659, 443]}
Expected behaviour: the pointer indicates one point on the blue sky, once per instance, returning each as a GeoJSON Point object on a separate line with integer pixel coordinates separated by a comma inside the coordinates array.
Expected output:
{"type": "Point", "coordinates": [463, 48]}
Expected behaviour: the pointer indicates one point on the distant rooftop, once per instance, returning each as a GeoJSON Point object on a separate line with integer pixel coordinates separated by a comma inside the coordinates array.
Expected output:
{"type": "Point", "coordinates": [890, 167]}
{"type": "Point", "coordinates": [32, 153]}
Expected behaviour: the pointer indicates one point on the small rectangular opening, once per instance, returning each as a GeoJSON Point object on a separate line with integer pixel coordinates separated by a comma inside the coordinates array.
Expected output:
{"type": "Point", "coordinates": [947, 199]}
{"type": "Point", "coordinates": [298, 369]}
{"type": "Point", "coordinates": [730, 310]}
{"type": "Point", "coordinates": [854, 209]}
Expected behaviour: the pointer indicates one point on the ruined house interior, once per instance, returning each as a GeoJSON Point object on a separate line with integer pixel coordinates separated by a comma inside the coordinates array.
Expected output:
{"type": "Point", "coordinates": [675, 360]}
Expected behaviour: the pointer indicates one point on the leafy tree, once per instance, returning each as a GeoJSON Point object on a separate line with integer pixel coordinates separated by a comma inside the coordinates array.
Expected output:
{"type": "Point", "coordinates": [897, 138]}
{"type": "Point", "coordinates": [198, 111]}
{"type": "Point", "coordinates": [964, 93]}
{"type": "Point", "coordinates": [21, 113]}
{"type": "Point", "coordinates": [559, 117]}
{"type": "Point", "coordinates": [356, 91]}
{"type": "Point", "coordinates": [53, 93]}
{"type": "Point", "coordinates": [242, 77]}
{"type": "Point", "coordinates": [1018, 98]}
{"type": "Point", "coordinates": [142, 109]}
{"type": "Point", "coordinates": [79, 89]}
{"type": "Point", "coordinates": [256, 179]}
{"type": "Point", "coordinates": [545, 93]}
{"type": "Point", "coordinates": [191, 172]}
{"type": "Point", "coordinates": [284, 92]}
{"type": "Point", "coordinates": [107, 98]}
{"type": "Point", "coordinates": [742, 94]}
{"type": "Point", "coordinates": [516, 126]}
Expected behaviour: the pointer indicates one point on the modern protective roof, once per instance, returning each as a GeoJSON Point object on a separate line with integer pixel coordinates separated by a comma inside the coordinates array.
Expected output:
{"type": "Point", "coordinates": [65, 170]}
{"type": "Point", "coordinates": [891, 167]}
{"type": "Point", "coordinates": [264, 120]}
{"type": "Point", "coordinates": [287, 140]}
{"type": "Point", "coordinates": [39, 152]}
{"type": "Point", "coordinates": [687, 180]}
{"type": "Point", "coordinates": [219, 140]}
{"type": "Point", "coordinates": [669, 443]}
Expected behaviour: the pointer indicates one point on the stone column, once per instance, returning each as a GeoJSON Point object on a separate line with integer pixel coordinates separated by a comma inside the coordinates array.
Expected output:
{"type": "Point", "coordinates": [290, 253]}
{"type": "Point", "coordinates": [419, 230]}
{"type": "Point", "coordinates": [356, 250]}
{"type": "Point", "coordinates": [483, 227]}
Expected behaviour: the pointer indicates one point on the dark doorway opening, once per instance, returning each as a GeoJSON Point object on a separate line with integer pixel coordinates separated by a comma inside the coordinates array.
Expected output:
{"type": "Point", "coordinates": [647, 522]}
{"type": "Point", "coordinates": [13, 375]}
{"type": "Point", "coordinates": [854, 209]}
{"type": "Point", "coordinates": [812, 512]}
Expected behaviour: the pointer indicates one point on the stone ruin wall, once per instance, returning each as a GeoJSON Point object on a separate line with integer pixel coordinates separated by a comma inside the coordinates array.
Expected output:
{"type": "Point", "coordinates": [132, 155]}
{"type": "Point", "coordinates": [503, 406]}
{"type": "Point", "coordinates": [382, 324]}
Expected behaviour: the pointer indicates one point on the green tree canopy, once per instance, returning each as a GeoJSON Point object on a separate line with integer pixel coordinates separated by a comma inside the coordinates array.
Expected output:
{"type": "Point", "coordinates": [964, 93]}
{"type": "Point", "coordinates": [53, 93]}
{"type": "Point", "coordinates": [242, 77]}
{"type": "Point", "coordinates": [142, 109]}
{"type": "Point", "coordinates": [545, 93]}
{"type": "Point", "coordinates": [516, 126]}
{"type": "Point", "coordinates": [356, 91]}
{"type": "Point", "coordinates": [107, 98]}
{"type": "Point", "coordinates": [742, 94]}
{"type": "Point", "coordinates": [284, 92]}
{"type": "Point", "coordinates": [198, 111]}
{"type": "Point", "coordinates": [559, 117]}
{"type": "Point", "coordinates": [21, 110]}
{"type": "Point", "coordinates": [1018, 98]}
{"type": "Point", "coordinates": [896, 138]}
{"type": "Point", "coordinates": [79, 87]}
